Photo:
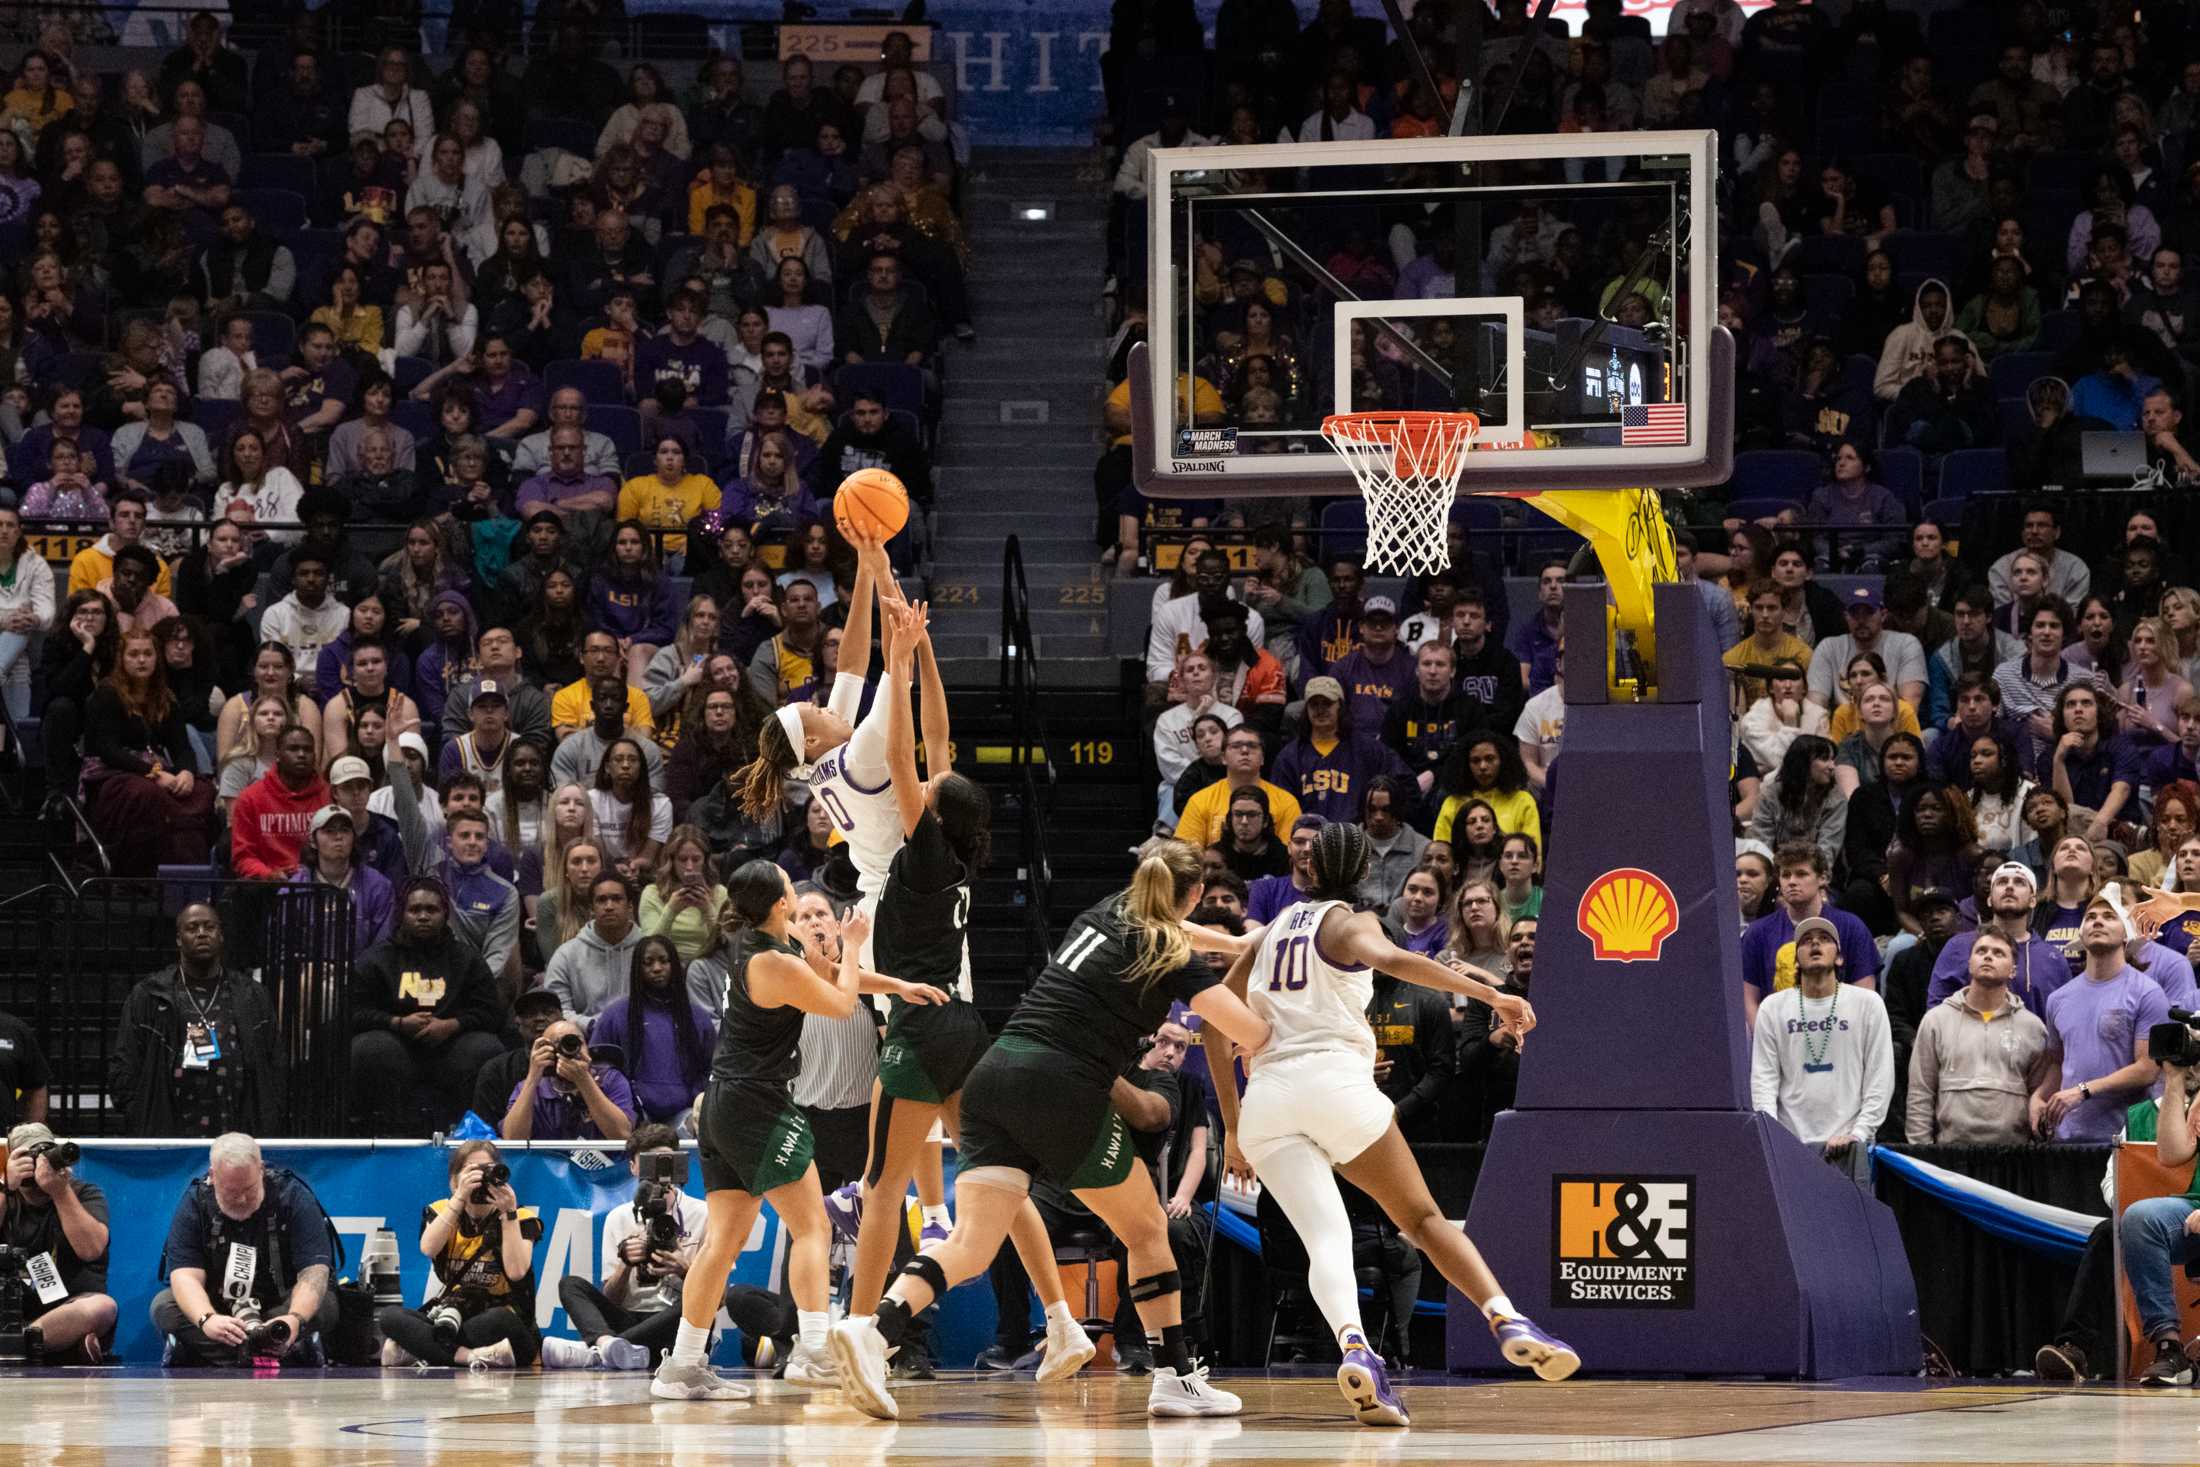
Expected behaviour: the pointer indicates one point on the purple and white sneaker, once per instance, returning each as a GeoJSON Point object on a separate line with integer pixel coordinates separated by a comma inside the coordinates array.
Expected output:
{"type": "Point", "coordinates": [844, 1210]}
{"type": "Point", "coordinates": [929, 1234]}
{"type": "Point", "coordinates": [1530, 1348]}
{"type": "Point", "coordinates": [1365, 1385]}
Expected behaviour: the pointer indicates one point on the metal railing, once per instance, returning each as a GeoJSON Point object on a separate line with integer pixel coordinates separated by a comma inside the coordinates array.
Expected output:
{"type": "Point", "coordinates": [70, 956]}
{"type": "Point", "coordinates": [1031, 763]}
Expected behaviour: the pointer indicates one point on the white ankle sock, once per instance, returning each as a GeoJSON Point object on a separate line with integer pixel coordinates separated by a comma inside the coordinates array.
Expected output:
{"type": "Point", "coordinates": [937, 1216]}
{"type": "Point", "coordinates": [1352, 1337]}
{"type": "Point", "coordinates": [812, 1325]}
{"type": "Point", "coordinates": [691, 1344]}
{"type": "Point", "coordinates": [1497, 1306]}
{"type": "Point", "coordinates": [1059, 1313]}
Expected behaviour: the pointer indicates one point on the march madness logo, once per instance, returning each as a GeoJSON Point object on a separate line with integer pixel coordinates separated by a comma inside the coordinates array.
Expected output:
{"type": "Point", "coordinates": [1623, 1242]}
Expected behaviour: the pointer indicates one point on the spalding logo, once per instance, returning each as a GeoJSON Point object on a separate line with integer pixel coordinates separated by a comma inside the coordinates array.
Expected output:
{"type": "Point", "coordinates": [1627, 914]}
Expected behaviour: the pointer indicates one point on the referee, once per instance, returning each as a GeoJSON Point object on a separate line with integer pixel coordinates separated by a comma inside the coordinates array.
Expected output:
{"type": "Point", "coordinates": [839, 1062]}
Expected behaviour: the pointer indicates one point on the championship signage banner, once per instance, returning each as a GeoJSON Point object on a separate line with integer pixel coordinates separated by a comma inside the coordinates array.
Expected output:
{"type": "Point", "coordinates": [1623, 1242]}
{"type": "Point", "coordinates": [368, 1188]}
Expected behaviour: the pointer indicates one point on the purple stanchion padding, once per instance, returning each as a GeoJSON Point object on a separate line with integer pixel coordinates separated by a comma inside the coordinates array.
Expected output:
{"type": "Point", "coordinates": [1633, 1203]}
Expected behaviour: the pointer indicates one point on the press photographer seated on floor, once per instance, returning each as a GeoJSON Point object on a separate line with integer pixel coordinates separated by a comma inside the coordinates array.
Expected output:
{"type": "Point", "coordinates": [481, 1243]}
{"type": "Point", "coordinates": [53, 1255]}
{"type": "Point", "coordinates": [247, 1261]}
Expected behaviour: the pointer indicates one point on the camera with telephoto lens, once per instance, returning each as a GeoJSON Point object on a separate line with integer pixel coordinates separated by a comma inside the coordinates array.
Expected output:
{"type": "Point", "coordinates": [21, 1343]}
{"type": "Point", "coordinates": [445, 1318]}
{"type": "Point", "coordinates": [60, 1155]}
{"type": "Point", "coordinates": [262, 1336]}
{"type": "Point", "coordinates": [661, 1176]}
{"type": "Point", "coordinates": [569, 1046]}
{"type": "Point", "coordinates": [491, 1179]}
{"type": "Point", "coordinates": [2177, 1042]}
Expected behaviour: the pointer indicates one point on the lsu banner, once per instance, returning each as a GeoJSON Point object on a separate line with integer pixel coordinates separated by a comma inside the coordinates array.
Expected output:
{"type": "Point", "coordinates": [366, 1189]}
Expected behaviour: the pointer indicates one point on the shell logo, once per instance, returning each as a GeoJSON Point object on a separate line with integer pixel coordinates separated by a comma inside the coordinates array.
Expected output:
{"type": "Point", "coordinates": [1627, 914]}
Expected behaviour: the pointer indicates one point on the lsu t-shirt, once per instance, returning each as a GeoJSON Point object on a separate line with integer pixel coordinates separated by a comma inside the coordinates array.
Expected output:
{"type": "Point", "coordinates": [1768, 950]}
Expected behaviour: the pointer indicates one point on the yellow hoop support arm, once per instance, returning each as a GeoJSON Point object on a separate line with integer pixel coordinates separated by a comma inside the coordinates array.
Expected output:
{"type": "Point", "coordinates": [1627, 530]}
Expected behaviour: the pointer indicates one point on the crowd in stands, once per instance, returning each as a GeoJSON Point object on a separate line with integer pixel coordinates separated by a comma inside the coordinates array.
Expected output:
{"type": "Point", "coordinates": [437, 454]}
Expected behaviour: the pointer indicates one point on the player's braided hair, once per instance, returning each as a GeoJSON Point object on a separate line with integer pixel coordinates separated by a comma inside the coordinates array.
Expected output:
{"type": "Point", "coordinates": [1340, 858]}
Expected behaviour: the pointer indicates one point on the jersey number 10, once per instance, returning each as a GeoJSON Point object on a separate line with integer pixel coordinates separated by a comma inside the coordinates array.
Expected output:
{"type": "Point", "coordinates": [1291, 964]}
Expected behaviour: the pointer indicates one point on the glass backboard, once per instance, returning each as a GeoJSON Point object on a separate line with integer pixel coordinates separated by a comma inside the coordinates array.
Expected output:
{"type": "Point", "coordinates": [1560, 287]}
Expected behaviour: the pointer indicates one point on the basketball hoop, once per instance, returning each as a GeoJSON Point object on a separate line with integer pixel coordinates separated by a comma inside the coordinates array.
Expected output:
{"type": "Point", "coordinates": [1408, 468]}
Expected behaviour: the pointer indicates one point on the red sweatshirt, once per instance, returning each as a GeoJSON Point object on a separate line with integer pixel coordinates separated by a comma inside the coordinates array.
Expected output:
{"type": "Point", "coordinates": [267, 825]}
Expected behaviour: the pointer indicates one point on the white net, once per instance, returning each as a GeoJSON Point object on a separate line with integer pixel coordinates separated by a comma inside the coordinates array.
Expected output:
{"type": "Point", "coordinates": [1408, 468]}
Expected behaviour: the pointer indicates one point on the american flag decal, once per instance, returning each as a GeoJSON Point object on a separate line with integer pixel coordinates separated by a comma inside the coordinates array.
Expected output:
{"type": "Point", "coordinates": [1654, 425]}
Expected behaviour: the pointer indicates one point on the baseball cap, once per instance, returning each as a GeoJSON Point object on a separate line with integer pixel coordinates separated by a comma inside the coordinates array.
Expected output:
{"type": "Point", "coordinates": [1224, 611]}
{"type": "Point", "coordinates": [1809, 925]}
{"type": "Point", "coordinates": [411, 739]}
{"type": "Point", "coordinates": [489, 687]}
{"type": "Point", "coordinates": [30, 1133]}
{"type": "Point", "coordinates": [1325, 687]}
{"type": "Point", "coordinates": [1244, 267]}
{"type": "Point", "coordinates": [1378, 606]}
{"type": "Point", "coordinates": [349, 768]}
{"type": "Point", "coordinates": [2018, 870]}
{"type": "Point", "coordinates": [1931, 896]}
{"type": "Point", "coordinates": [324, 816]}
{"type": "Point", "coordinates": [537, 999]}
{"type": "Point", "coordinates": [1864, 597]}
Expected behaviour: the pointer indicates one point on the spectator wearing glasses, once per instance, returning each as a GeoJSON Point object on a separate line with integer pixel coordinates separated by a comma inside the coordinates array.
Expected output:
{"type": "Point", "coordinates": [1242, 756]}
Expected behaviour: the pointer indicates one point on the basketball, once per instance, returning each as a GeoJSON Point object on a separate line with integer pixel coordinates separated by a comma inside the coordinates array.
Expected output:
{"type": "Point", "coordinates": [873, 502]}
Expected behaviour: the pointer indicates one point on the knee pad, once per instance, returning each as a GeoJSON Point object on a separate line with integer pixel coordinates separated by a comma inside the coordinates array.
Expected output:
{"type": "Point", "coordinates": [1154, 1286]}
{"type": "Point", "coordinates": [929, 1270]}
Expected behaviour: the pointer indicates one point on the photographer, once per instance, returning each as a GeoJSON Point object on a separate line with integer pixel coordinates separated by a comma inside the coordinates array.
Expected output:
{"type": "Point", "coordinates": [565, 1095]}
{"type": "Point", "coordinates": [2161, 1233]}
{"type": "Point", "coordinates": [248, 1259]}
{"type": "Point", "coordinates": [57, 1225]}
{"type": "Point", "coordinates": [481, 1243]}
{"type": "Point", "coordinates": [533, 1012]}
{"type": "Point", "coordinates": [633, 1318]}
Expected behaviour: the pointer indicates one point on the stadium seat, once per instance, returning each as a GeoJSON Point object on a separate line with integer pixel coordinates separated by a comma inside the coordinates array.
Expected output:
{"type": "Point", "coordinates": [410, 372]}
{"type": "Point", "coordinates": [281, 211]}
{"type": "Point", "coordinates": [1970, 471]}
{"type": "Point", "coordinates": [1902, 470]}
{"type": "Point", "coordinates": [1827, 296]}
{"type": "Point", "coordinates": [273, 335]}
{"type": "Point", "coordinates": [898, 384]}
{"type": "Point", "coordinates": [285, 171]}
{"type": "Point", "coordinates": [1896, 173]}
{"type": "Point", "coordinates": [1946, 513]}
{"type": "Point", "coordinates": [414, 416]}
{"type": "Point", "coordinates": [2058, 331]}
{"type": "Point", "coordinates": [1828, 254]}
{"type": "Point", "coordinates": [2011, 373]}
{"type": "Point", "coordinates": [2060, 172]}
{"type": "Point", "coordinates": [1938, 255]}
{"type": "Point", "coordinates": [1757, 509]}
{"type": "Point", "coordinates": [1789, 474]}
{"type": "Point", "coordinates": [598, 381]}
{"type": "Point", "coordinates": [1859, 372]}
{"type": "Point", "coordinates": [617, 422]}
{"type": "Point", "coordinates": [214, 415]}
{"type": "Point", "coordinates": [2016, 420]}
{"type": "Point", "coordinates": [561, 132]}
{"type": "Point", "coordinates": [79, 369]}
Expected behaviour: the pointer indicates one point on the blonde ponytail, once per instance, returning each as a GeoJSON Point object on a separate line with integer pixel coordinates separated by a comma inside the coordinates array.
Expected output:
{"type": "Point", "coordinates": [1164, 878]}
{"type": "Point", "coordinates": [762, 780]}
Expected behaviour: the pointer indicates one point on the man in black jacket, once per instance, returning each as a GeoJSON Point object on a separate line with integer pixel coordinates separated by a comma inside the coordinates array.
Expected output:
{"type": "Point", "coordinates": [870, 439]}
{"type": "Point", "coordinates": [1426, 720]}
{"type": "Point", "coordinates": [886, 321]}
{"type": "Point", "coordinates": [1417, 1053]}
{"type": "Point", "coordinates": [1908, 977]}
{"type": "Point", "coordinates": [424, 1011]}
{"type": "Point", "coordinates": [195, 1054]}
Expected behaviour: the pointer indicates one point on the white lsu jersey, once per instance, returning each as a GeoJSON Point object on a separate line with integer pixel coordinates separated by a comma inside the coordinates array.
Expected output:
{"type": "Point", "coordinates": [1313, 1004]}
{"type": "Point", "coordinates": [857, 791]}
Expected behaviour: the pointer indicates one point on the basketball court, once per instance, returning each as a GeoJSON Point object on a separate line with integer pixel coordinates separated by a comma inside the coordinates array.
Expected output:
{"type": "Point", "coordinates": [355, 1417]}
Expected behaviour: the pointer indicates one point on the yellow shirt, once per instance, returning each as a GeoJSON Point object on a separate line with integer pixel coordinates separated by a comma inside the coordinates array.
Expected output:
{"type": "Point", "coordinates": [1747, 653]}
{"type": "Point", "coordinates": [572, 707]}
{"type": "Point", "coordinates": [1206, 402]}
{"type": "Point", "coordinates": [1206, 813]}
{"type": "Point", "coordinates": [1516, 815]}
{"type": "Point", "coordinates": [702, 198]}
{"type": "Point", "coordinates": [93, 564]}
{"type": "Point", "coordinates": [361, 330]}
{"type": "Point", "coordinates": [663, 506]}
{"type": "Point", "coordinates": [1846, 721]}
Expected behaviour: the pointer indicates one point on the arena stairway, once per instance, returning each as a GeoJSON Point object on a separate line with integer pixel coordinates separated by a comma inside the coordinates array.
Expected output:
{"type": "Point", "coordinates": [1100, 806]}
{"type": "Point", "coordinates": [1024, 402]}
